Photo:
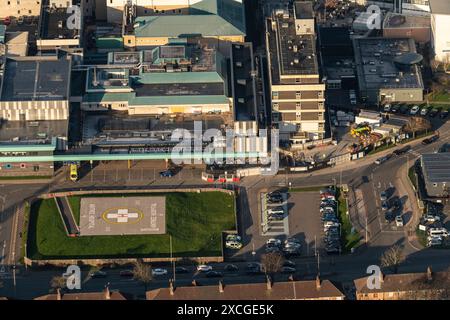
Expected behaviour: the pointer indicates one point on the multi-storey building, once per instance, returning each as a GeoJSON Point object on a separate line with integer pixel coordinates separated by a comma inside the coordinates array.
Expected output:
{"type": "Point", "coordinates": [440, 20]}
{"type": "Point", "coordinates": [298, 100]}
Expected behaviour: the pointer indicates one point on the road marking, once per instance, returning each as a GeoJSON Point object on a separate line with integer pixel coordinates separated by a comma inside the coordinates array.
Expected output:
{"type": "Point", "coordinates": [12, 248]}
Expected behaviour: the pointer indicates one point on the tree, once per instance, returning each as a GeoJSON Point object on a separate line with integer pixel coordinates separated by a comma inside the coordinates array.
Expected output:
{"type": "Point", "coordinates": [142, 272]}
{"type": "Point", "coordinates": [272, 262]}
{"type": "Point", "coordinates": [58, 282]}
{"type": "Point", "coordinates": [416, 124]}
{"type": "Point", "coordinates": [392, 258]}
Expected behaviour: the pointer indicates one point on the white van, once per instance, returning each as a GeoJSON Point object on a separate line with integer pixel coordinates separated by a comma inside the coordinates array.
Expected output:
{"type": "Point", "coordinates": [438, 232]}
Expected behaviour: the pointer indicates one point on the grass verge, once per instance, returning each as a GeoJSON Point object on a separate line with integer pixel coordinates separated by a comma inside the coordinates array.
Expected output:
{"type": "Point", "coordinates": [195, 221]}
{"type": "Point", "coordinates": [26, 221]}
{"type": "Point", "coordinates": [349, 238]}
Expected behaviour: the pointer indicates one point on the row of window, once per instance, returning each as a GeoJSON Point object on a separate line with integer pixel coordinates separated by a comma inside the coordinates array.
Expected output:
{"type": "Point", "coordinates": [298, 94]}
{"type": "Point", "coordinates": [298, 105]}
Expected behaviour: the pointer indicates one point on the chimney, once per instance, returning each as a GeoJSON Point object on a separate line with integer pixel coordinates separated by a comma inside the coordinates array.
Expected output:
{"type": "Point", "coordinates": [107, 293]}
{"type": "Point", "coordinates": [194, 283]}
{"type": "Point", "coordinates": [318, 285]}
{"type": "Point", "coordinates": [58, 294]}
{"type": "Point", "coordinates": [171, 287]}
{"type": "Point", "coordinates": [269, 283]}
{"type": "Point", "coordinates": [429, 274]}
{"type": "Point", "coordinates": [221, 286]}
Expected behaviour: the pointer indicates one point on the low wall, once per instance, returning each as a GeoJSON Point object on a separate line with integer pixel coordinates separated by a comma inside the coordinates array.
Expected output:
{"type": "Point", "coordinates": [124, 261]}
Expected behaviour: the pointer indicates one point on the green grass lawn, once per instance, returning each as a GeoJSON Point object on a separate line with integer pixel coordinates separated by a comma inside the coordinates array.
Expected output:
{"type": "Point", "coordinates": [195, 221]}
{"type": "Point", "coordinates": [412, 176]}
{"type": "Point", "coordinates": [349, 239]}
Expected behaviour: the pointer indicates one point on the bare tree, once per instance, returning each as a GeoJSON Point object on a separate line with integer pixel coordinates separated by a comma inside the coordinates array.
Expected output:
{"type": "Point", "coordinates": [416, 124]}
{"type": "Point", "coordinates": [58, 282]}
{"type": "Point", "coordinates": [392, 258]}
{"type": "Point", "coordinates": [142, 272]}
{"type": "Point", "coordinates": [272, 262]}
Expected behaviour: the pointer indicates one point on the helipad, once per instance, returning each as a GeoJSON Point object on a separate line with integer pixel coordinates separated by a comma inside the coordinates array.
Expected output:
{"type": "Point", "coordinates": [122, 215]}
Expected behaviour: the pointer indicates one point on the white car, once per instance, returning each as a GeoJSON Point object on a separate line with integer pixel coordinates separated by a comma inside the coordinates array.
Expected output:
{"type": "Point", "coordinates": [399, 221]}
{"type": "Point", "coordinates": [414, 110]}
{"type": "Point", "coordinates": [203, 268]}
{"type": "Point", "coordinates": [159, 272]}
{"type": "Point", "coordinates": [273, 242]}
{"type": "Point", "coordinates": [387, 107]}
{"type": "Point", "coordinates": [434, 241]}
{"type": "Point", "coordinates": [424, 111]}
{"type": "Point", "coordinates": [233, 245]}
{"type": "Point", "coordinates": [431, 218]}
{"type": "Point", "coordinates": [275, 211]}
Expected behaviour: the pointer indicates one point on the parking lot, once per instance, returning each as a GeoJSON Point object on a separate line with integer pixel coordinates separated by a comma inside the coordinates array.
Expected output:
{"type": "Point", "coordinates": [304, 220]}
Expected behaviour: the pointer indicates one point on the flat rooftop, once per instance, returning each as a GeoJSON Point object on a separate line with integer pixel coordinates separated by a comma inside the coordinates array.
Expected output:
{"type": "Point", "coordinates": [376, 69]}
{"type": "Point", "coordinates": [35, 132]}
{"type": "Point", "coordinates": [178, 89]}
{"type": "Point", "coordinates": [440, 6]}
{"type": "Point", "coordinates": [243, 82]}
{"type": "Point", "coordinates": [395, 20]}
{"type": "Point", "coordinates": [53, 24]}
{"type": "Point", "coordinates": [303, 10]}
{"type": "Point", "coordinates": [291, 54]}
{"type": "Point", "coordinates": [436, 166]}
{"type": "Point", "coordinates": [36, 78]}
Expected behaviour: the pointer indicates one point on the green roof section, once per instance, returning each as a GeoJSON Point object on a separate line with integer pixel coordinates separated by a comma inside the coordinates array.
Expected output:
{"type": "Point", "coordinates": [185, 26]}
{"type": "Point", "coordinates": [178, 100]}
{"type": "Point", "coordinates": [178, 77]}
{"type": "Point", "coordinates": [154, 100]}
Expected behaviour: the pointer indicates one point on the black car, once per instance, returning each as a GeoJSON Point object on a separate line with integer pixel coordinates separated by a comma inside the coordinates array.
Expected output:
{"type": "Point", "coordinates": [396, 203]}
{"type": "Point", "coordinates": [181, 270]}
{"type": "Point", "coordinates": [430, 140]}
{"type": "Point", "coordinates": [288, 270]}
{"type": "Point", "coordinates": [444, 114]}
{"type": "Point", "coordinates": [433, 113]}
{"type": "Point", "coordinates": [389, 216]}
{"type": "Point", "coordinates": [402, 150]}
{"type": "Point", "coordinates": [276, 216]}
{"type": "Point", "coordinates": [289, 263]}
{"type": "Point", "coordinates": [274, 199]}
{"type": "Point", "coordinates": [214, 274]}
{"type": "Point", "coordinates": [231, 268]}
{"type": "Point", "coordinates": [395, 108]}
{"type": "Point", "coordinates": [404, 109]}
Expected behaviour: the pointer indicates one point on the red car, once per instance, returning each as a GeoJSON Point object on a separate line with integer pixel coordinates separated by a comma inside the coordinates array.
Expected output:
{"type": "Point", "coordinates": [7, 21]}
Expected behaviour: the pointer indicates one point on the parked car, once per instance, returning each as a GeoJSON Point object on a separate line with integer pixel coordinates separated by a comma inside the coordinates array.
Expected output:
{"type": "Point", "coordinates": [166, 174]}
{"type": "Point", "coordinates": [396, 203]}
{"type": "Point", "coordinates": [159, 272]}
{"type": "Point", "coordinates": [404, 109]}
{"type": "Point", "coordinates": [430, 140]}
{"type": "Point", "coordinates": [98, 274]}
{"type": "Point", "coordinates": [204, 268]}
{"type": "Point", "coordinates": [389, 216]}
{"type": "Point", "coordinates": [231, 268]}
{"type": "Point", "coordinates": [275, 210]}
{"type": "Point", "coordinates": [424, 111]}
{"type": "Point", "coordinates": [401, 150]}
{"type": "Point", "coordinates": [434, 241]}
{"type": "Point", "coordinates": [387, 107]}
{"type": "Point", "coordinates": [214, 274]}
{"type": "Point", "coordinates": [288, 270]}
{"type": "Point", "coordinates": [395, 108]}
{"type": "Point", "coordinates": [384, 206]}
{"type": "Point", "coordinates": [181, 270]}
{"type": "Point", "coordinates": [273, 242]}
{"type": "Point", "coordinates": [414, 110]}
{"type": "Point", "coordinates": [20, 20]}
{"type": "Point", "coordinates": [289, 263]}
{"type": "Point", "coordinates": [126, 273]}
{"type": "Point", "coordinates": [383, 196]}
{"type": "Point", "coordinates": [7, 21]}
{"type": "Point", "coordinates": [276, 216]}
{"type": "Point", "coordinates": [433, 112]}
{"type": "Point", "coordinates": [444, 114]}
{"type": "Point", "coordinates": [399, 221]}
{"type": "Point", "coordinates": [235, 245]}
{"type": "Point", "coordinates": [431, 218]}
